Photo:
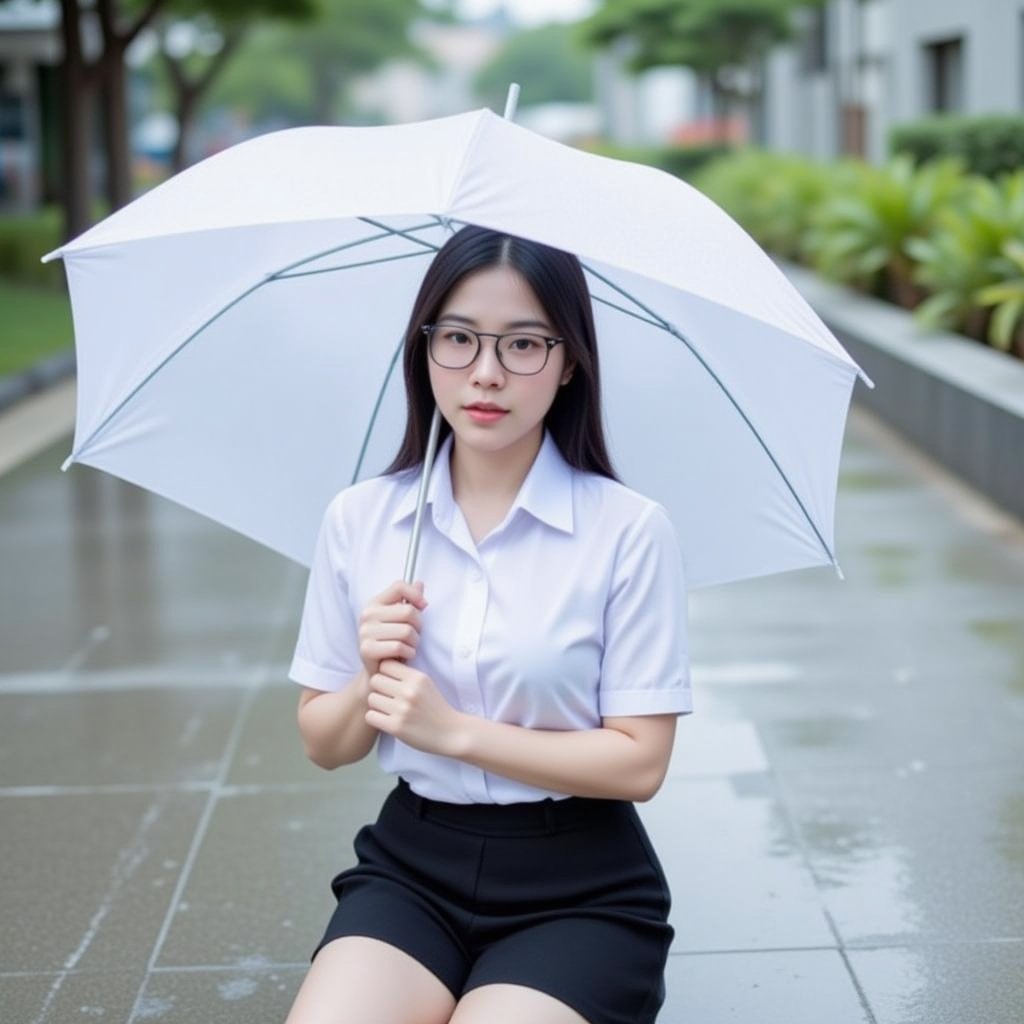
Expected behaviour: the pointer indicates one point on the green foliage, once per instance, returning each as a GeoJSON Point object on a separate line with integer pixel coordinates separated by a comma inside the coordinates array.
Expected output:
{"type": "Point", "coordinates": [705, 35]}
{"type": "Point", "coordinates": [988, 145]}
{"type": "Point", "coordinates": [37, 323]}
{"type": "Point", "coordinates": [298, 70]}
{"type": "Point", "coordinates": [773, 195]}
{"type": "Point", "coordinates": [682, 161]}
{"type": "Point", "coordinates": [860, 232]}
{"type": "Point", "coordinates": [24, 241]}
{"type": "Point", "coordinates": [967, 253]}
{"type": "Point", "coordinates": [264, 79]}
{"type": "Point", "coordinates": [1007, 297]}
{"type": "Point", "coordinates": [905, 232]}
{"type": "Point", "coordinates": [548, 61]}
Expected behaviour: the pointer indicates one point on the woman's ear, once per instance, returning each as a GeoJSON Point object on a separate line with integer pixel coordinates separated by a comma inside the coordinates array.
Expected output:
{"type": "Point", "coordinates": [567, 373]}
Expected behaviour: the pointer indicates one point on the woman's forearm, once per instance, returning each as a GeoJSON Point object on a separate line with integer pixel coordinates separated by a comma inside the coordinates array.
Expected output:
{"type": "Point", "coordinates": [333, 725]}
{"type": "Point", "coordinates": [602, 763]}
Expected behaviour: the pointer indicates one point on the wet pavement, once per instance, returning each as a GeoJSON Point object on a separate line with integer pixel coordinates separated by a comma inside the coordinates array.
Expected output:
{"type": "Point", "coordinates": [842, 826]}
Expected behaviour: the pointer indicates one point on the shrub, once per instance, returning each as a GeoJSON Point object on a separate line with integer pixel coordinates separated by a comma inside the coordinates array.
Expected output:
{"type": "Point", "coordinates": [989, 145]}
{"type": "Point", "coordinates": [24, 241]}
{"type": "Point", "coordinates": [860, 233]}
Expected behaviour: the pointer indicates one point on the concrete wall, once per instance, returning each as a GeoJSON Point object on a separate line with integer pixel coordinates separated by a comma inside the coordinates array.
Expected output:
{"type": "Point", "coordinates": [877, 58]}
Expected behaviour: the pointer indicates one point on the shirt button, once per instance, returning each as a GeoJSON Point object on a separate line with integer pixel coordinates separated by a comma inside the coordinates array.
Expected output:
{"type": "Point", "coordinates": [475, 576]}
{"type": "Point", "coordinates": [464, 652]}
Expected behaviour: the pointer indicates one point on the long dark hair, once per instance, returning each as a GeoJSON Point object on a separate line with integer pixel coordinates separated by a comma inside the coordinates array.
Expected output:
{"type": "Point", "coordinates": [557, 280]}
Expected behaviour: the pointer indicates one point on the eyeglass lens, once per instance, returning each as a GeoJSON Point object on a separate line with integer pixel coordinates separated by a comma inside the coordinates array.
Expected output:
{"type": "Point", "coordinates": [456, 347]}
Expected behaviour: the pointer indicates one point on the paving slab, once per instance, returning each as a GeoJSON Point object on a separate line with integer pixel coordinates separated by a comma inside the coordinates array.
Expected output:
{"type": "Point", "coordinates": [86, 881]}
{"type": "Point", "coordinates": [783, 987]}
{"type": "Point", "coordinates": [951, 983]}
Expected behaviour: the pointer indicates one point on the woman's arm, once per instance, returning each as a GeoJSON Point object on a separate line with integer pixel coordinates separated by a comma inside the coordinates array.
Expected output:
{"type": "Point", "coordinates": [333, 724]}
{"type": "Point", "coordinates": [626, 759]}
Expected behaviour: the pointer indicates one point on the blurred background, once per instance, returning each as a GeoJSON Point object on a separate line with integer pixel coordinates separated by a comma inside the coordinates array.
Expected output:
{"type": "Point", "coordinates": [876, 141]}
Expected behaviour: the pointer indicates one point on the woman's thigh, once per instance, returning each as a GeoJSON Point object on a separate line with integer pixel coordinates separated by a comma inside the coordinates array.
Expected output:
{"type": "Point", "coordinates": [359, 980]}
{"type": "Point", "coordinates": [512, 1004]}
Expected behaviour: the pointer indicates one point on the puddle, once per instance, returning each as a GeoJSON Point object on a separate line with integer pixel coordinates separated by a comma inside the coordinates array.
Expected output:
{"type": "Point", "coordinates": [891, 563]}
{"type": "Point", "coordinates": [870, 480]}
{"type": "Point", "coordinates": [1007, 634]}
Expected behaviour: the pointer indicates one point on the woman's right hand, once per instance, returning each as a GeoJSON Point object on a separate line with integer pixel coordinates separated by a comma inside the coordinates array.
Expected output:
{"type": "Point", "coordinates": [389, 626]}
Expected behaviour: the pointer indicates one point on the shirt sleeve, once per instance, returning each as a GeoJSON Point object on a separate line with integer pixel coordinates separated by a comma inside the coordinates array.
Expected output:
{"type": "Point", "coordinates": [327, 650]}
{"type": "Point", "coordinates": [645, 664]}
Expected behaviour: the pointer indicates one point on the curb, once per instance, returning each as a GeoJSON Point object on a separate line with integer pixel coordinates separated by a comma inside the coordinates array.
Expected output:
{"type": "Point", "coordinates": [38, 377]}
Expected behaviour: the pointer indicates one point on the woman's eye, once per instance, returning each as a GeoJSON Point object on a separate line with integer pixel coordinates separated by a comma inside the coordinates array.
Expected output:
{"type": "Point", "coordinates": [525, 344]}
{"type": "Point", "coordinates": [456, 336]}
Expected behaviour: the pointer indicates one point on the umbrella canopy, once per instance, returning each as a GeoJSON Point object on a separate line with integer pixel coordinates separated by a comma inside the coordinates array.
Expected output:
{"type": "Point", "coordinates": [238, 330]}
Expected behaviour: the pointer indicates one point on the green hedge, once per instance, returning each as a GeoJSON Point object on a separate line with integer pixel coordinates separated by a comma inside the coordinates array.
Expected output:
{"type": "Point", "coordinates": [24, 240]}
{"type": "Point", "coordinates": [682, 161]}
{"type": "Point", "coordinates": [989, 145]}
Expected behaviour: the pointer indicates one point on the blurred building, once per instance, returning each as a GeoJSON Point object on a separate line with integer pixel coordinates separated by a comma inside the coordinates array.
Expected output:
{"type": "Point", "coordinates": [30, 49]}
{"type": "Point", "coordinates": [403, 90]}
{"type": "Point", "coordinates": [863, 66]}
{"type": "Point", "coordinates": [855, 69]}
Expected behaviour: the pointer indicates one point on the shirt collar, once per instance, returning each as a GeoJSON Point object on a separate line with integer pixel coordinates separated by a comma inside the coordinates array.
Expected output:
{"type": "Point", "coordinates": [546, 493]}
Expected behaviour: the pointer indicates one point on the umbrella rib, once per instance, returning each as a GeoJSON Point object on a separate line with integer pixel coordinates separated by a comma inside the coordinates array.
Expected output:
{"type": "Point", "coordinates": [273, 276]}
{"type": "Point", "coordinates": [628, 312]}
{"type": "Point", "coordinates": [376, 408]}
{"type": "Point", "coordinates": [394, 358]}
{"type": "Point", "coordinates": [673, 330]}
{"type": "Point", "coordinates": [349, 266]}
{"type": "Point", "coordinates": [350, 245]}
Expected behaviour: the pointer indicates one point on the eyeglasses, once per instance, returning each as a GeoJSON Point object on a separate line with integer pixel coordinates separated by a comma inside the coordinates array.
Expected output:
{"type": "Point", "coordinates": [455, 348]}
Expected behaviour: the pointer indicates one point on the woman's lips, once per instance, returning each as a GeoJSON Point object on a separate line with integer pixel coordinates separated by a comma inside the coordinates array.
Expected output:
{"type": "Point", "coordinates": [485, 415]}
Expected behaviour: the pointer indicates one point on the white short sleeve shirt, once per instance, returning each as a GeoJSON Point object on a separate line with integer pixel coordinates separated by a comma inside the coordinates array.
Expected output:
{"type": "Point", "coordinates": [572, 609]}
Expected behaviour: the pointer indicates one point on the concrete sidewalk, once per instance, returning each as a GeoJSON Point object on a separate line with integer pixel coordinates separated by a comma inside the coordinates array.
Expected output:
{"type": "Point", "coordinates": [843, 826]}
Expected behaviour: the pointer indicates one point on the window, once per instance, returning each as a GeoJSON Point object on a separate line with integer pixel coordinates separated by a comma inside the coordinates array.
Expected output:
{"type": "Point", "coordinates": [944, 78]}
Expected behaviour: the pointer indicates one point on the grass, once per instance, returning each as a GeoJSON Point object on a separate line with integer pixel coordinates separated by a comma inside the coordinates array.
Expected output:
{"type": "Point", "coordinates": [36, 322]}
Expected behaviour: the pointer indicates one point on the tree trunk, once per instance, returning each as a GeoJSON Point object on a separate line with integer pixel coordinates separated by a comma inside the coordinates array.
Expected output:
{"type": "Point", "coordinates": [186, 114]}
{"type": "Point", "coordinates": [115, 126]}
{"type": "Point", "coordinates": [115, 95]}
{"type": "Point", "coordinates": [77, 110]}
{"type": "Point", "coordinates": [188, 92]}
{"type": "Point", "coordinates": [324, 90]}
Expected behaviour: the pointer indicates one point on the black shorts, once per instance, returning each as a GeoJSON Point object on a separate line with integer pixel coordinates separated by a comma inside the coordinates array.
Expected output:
{"type": "Point", "coordinates": [566, 896]}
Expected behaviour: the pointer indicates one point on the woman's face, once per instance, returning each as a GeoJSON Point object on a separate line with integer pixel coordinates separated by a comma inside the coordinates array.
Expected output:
{"type": "Point", "coordinates": [496, 300]}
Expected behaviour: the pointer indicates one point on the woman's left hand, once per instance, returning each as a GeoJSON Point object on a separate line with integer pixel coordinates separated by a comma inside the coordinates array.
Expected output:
{"type": "Point", "coordinates": [406, 704]}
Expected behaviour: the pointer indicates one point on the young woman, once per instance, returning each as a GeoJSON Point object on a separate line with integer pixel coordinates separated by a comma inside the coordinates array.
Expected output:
{"type": "Point", "coordinates": [525, 696]}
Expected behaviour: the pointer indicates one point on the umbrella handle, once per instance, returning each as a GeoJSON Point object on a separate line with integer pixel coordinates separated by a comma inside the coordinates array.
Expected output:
{"type": "Point", "coordinates": [421, 497]}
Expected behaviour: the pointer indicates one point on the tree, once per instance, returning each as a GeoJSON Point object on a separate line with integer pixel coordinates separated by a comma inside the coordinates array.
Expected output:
{"type": "Point", "coordinates": [548, 62]}
{"type": "Point", "coordinates": [351, 38]}
{"type": "Point", "coordinates": [83, 81]}
{"type": "Point", "coordinates": [225, 23]}
{"type": "Point", "coordinates": [715, 38]}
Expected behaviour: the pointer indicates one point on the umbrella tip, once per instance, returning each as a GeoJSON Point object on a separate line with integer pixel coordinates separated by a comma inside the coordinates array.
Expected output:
{"type": "Point", "coordinates": [67, 462]}
{"type": "Point", "coordinates": [839, 572]}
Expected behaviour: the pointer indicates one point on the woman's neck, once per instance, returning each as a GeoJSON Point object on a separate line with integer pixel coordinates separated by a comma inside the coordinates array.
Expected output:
{"type": "Point", "coordinates": [492, 476]}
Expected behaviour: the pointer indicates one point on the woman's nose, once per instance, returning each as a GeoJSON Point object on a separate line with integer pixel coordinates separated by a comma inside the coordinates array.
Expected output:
{"type": "Point", "coordinates": [487, 367]}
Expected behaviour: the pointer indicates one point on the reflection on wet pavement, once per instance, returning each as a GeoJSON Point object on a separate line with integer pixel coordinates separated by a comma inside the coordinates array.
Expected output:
{"type": "Point", "coordinates": [842, 824]}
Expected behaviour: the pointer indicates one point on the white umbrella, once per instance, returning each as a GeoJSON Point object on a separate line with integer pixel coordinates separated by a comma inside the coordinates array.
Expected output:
{"type": "Point", "coordinates": [238, 329]}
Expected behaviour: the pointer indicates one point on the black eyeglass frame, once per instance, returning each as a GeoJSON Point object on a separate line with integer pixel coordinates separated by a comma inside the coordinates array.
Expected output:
{"type": "Point", "coordinates": [549, 342]}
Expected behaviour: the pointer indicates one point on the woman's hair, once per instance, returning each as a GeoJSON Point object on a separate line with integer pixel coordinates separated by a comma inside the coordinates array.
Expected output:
{"type": "Point", "coordinates": [557, 280]}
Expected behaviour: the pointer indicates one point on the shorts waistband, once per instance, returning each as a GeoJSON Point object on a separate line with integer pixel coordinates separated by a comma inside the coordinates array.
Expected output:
{"type": "Point", "coordinates": [546, 815]}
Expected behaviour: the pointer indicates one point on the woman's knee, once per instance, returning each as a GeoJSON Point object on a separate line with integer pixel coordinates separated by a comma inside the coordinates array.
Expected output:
{"type": "Point", "coordinates": [359, 980]}
{"type": "Point", "coordinates": [511, 1004]}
